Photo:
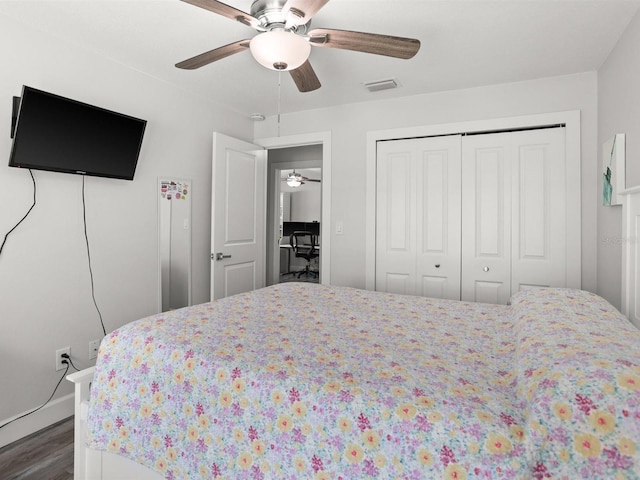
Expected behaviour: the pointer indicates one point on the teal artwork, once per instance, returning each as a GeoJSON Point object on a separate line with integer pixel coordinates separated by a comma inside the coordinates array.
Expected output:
{"type": "Point", "coordinates": [613, 170]}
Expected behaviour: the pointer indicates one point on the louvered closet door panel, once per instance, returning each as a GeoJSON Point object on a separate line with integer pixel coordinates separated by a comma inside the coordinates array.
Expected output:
{"type": "Point", "coordinates": [486, 218]}
{"type": "Point", "coordinates": [395, 213]}
{"type": "Point", "coordinates": [418, 217]}
{"type": "Point", "coordinates": [539, 209]}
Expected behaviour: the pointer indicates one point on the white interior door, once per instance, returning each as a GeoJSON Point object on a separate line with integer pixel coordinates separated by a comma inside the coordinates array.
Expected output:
{"type": "Point", "coordinates": [514, 220]}
{"type": "Point", "coordinates": [395, 218]}
{"type": "Point", "coordinates": [438, 217]}
{"type": "Point", "coordinates": [486, 218]}
{"type": "Point", "coordinates": [418, 217]}
{"type": "Point", "coordinates": [238, 216]}
{"type": "Point", "coordinates": [539, 212]}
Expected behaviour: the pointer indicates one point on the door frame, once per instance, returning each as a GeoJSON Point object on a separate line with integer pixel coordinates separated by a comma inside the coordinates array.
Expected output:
{"type": "Point", "coordinates": [570, 119]}
{"type": "Point", "coordinates": [315, 138]}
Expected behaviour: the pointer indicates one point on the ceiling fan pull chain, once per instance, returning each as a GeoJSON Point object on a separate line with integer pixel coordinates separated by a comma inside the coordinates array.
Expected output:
{"type": "Point", "coordinates": [279, 98]}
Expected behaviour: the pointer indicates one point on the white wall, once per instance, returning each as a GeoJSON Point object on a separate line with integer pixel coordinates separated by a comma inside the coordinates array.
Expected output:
{"type": "Point", "coordinates": [349, 125]}
{"type": "Point", "coordinates": [45, 297]}
{"type": "Point", "coordinates": [305, 204]}
{"type": "Point", "coordinates": [618, 112]}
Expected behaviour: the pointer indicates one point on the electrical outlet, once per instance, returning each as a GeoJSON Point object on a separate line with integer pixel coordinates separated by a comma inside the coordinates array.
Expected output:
{"type": "Point", "coordinates": [93, 349]}
{"type": "Point", "coordinates": [59, 359]}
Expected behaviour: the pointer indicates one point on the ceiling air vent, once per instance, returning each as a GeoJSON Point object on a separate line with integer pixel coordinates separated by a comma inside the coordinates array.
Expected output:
{"type": "Point", "coordinates": [382, 85]}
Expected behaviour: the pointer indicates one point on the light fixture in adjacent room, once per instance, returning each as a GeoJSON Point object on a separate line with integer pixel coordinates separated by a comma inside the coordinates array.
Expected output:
{"type": "Point", "coordinates": [280, 49]}
{"type": "Point", "coordinates": [294, 180]}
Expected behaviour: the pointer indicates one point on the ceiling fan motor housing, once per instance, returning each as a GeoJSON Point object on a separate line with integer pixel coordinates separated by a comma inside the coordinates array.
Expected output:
{"type": "Point", "coordinates": [270, 15]}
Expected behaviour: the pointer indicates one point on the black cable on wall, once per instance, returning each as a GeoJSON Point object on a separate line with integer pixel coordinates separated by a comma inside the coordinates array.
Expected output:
{"type": "Point", "coordinates": [86, 238]}
{"type": "Point", "coordinates": [25, 215]}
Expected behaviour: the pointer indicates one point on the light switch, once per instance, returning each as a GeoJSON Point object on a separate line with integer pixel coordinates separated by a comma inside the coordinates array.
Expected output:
{"type": "Point", "coordinates": [339, 228]}
{"type": "Point", "coordinates": [185, 224]}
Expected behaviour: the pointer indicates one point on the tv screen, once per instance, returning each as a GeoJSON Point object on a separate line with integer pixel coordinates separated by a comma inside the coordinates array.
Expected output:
{"type": "Point", "coordinates": [63, 135]}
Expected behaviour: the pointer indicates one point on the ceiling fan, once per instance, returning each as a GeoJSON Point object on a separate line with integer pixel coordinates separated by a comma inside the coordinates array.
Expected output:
{"type": "Point", "coordinates": [295, 179]}
{"type": "Point", "coordinates": [284, 40]}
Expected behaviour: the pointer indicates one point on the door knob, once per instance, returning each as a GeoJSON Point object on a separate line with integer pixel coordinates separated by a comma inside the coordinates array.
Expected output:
{"type": "Point", "coordinates": [485, 269]}
{"type": "Point", "coordinates": [220, 256]}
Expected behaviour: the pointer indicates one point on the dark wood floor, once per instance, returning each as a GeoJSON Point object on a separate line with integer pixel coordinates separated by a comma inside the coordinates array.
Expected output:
{"type": "Point", "coordinates": [44, 455]}
{"type": "Point", "coordinates": [286, 278]}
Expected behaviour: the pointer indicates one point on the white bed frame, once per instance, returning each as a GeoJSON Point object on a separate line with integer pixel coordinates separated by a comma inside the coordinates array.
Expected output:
{"type": "Point", "coordinates": [90, 464]}
{"type": "Point", "coordinates": [630, 240]}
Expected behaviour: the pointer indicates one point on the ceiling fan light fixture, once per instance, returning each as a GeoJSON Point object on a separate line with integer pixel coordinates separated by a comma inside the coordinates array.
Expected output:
{"type": "Point", "coordinates": [280, 50]}
{"type": "Point", "coordinates": [294, 180]}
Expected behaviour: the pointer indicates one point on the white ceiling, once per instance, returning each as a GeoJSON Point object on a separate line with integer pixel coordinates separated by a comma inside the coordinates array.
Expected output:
{"type": "Point", "coordinates": [464, 44]}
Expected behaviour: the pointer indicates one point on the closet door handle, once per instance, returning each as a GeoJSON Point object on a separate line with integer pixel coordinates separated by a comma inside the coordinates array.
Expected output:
{"type": "Point", "coordinates": [485, 269]}
{"type": "Point", "coordinates": [437, 265]}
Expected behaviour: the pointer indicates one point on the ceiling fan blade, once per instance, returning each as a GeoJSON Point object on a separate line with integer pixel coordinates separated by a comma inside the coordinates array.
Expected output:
{"type": "Point", "coordinates": [213, 55]}
{"type": "Point", "coordinates": [299, 12]}
{"type": "Point", "coordinates": [226, 11]}
{"type": "Point", "coordinates": [398, 47]}
{"type": "Point", "coordinates": [305, 78]}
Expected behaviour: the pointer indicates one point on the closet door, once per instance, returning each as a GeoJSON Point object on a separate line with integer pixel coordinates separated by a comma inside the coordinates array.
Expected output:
{"type": "Point", "coordinates": [418, 217]}
{"type": "Point", "coordinates": [486, 218]}
{"type": "Point", "coordinates": [514, 212]}
{"type": "Point", "coordinates": [539, 210]}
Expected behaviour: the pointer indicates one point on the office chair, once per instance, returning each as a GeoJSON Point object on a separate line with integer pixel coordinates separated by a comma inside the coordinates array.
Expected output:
{"type": "Point", "coordinates": [285, 246]}
{"type": "Point", "coordinates": [305, 245]}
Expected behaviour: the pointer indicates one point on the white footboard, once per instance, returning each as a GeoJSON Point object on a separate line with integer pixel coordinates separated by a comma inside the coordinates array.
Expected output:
{"type": "Point", "coordinates": [631, 254]}
{"type": "Point", "coordinates": [82, 381]}
{"type": "Point", "coordinates": [91, 464]}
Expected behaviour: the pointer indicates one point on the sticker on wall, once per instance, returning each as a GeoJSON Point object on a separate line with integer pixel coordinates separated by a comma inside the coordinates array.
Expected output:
{"type": "Point", "coordinates": [174, 190]}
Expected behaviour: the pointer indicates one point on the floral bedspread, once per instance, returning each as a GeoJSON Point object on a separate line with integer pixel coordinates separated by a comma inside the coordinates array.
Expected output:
{"type": "Point", "coordinates": [578, 379]}
{"type": "Point", "coordinates": [303, 381]}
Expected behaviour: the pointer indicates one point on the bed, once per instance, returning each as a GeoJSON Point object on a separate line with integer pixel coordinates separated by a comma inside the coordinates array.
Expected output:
{"type": "Point", "coordinates": [357, 384]}
{"type": "Point", "coordinates": [353, 384]}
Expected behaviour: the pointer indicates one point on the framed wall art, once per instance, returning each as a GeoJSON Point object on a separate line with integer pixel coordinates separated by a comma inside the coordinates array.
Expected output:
{"type": "Point", "coordinates": [613, 170]}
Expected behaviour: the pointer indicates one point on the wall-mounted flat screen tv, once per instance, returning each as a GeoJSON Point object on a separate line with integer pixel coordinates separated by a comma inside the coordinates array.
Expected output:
{"type": "Point", "coordinates": [63, 135]}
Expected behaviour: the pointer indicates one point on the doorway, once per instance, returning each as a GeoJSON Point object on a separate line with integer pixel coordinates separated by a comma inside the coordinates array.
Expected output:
{"type": "Point", "coordinates": [294, 206]}
{"type": "Point", "coordinates": [300, 201]}
{"type": "Point", "coordinates": [305, 139]}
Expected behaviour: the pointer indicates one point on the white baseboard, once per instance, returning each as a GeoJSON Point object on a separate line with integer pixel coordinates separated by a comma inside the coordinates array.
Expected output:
{"type": "Point", "coordinates": [51, 413]}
